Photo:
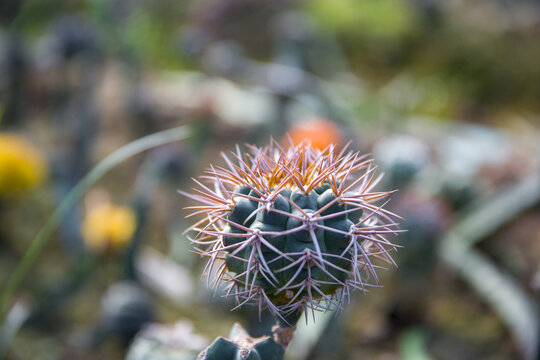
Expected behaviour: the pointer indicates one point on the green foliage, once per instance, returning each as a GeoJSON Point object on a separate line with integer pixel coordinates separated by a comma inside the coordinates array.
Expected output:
{"type": "Point", "coordinates": [380, 19]}
{"type": "Point", "coordinates": [150, 40]}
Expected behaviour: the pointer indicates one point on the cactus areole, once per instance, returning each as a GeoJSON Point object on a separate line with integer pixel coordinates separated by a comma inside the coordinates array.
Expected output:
{"type": "Point", "coordinates": [291, 229]}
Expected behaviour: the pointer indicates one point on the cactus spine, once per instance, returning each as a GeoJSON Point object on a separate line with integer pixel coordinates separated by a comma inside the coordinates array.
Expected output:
{"type": "Point", "coordinates": [294, 228]}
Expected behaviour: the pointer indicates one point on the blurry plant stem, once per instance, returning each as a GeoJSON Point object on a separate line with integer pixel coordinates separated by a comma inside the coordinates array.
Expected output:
{"type": "Point", "coordinates": [141, 205]}
{"type": "Point", "coordinates": [3, 236]}
{"type": "Point", "coordinates": [117, 157]}
{"type": "Point", "coordinates": [76, 120]}
{"type": "Point", "coordinates": [15, 60]}
{"type": "Point", "coordinates": [150, 176]}
{"type": "Point", "coordinates": [14, 320]}
{"type": "Point", "coordinates": [282, 102]}
{"type": "Point", "coordinates": [109, 271]}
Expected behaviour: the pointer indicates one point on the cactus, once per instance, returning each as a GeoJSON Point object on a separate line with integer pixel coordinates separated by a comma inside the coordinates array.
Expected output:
{"type": "Point", "coordinates": [240, 346]}
{"type": "Point", "coordinates": [294, 228]}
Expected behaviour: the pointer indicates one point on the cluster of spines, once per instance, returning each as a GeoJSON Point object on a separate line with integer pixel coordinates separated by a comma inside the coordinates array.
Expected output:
{"type": "Point", "coordinates": [292, 228]}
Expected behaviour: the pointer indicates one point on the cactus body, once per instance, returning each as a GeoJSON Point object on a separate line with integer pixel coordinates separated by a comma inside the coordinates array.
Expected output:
{"type": "Point", "coordinates": [293, 228]}
{"type": "Point", "coordinates": [240, 346]}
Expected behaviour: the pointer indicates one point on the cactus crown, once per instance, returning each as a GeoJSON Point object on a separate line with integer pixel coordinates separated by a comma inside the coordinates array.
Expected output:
{"type": "Point", "coordinates": [292, 228]}
{"type": "Point", "coordinates": [242, 346]}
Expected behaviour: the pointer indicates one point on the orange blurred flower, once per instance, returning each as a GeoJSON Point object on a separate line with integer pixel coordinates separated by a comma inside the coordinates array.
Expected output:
{"type": "Point", "coordinates": [320, 132]}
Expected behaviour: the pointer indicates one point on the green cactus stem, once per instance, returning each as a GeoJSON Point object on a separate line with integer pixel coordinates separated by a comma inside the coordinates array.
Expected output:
{"type": "Point", "coordinates": [240, 346]}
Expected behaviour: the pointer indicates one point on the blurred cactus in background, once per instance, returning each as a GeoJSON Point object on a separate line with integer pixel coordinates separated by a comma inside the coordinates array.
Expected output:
{"type": "Point", "coordinates": [125, 309]}
{"type": "Point", "coordinates": [291, 229]}
{"type": "Point", "coordinates": [22, 166]}
{"type": "Point", "coordinates": [402, 158]}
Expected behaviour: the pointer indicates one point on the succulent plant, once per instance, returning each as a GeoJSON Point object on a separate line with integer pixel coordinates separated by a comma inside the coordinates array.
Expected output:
{"type": "Point", "coordinates": [292, 228]}
{"type": "Point", "coordinates": [125, 309]}
{"type": "Point", "coordinates": [240, 346]}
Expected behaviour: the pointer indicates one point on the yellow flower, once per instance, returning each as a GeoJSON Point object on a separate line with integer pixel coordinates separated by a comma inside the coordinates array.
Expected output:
{"type": "Point", "coordinates": [108, 228]}
{"type": "Point", "coordinates": [22, 166]}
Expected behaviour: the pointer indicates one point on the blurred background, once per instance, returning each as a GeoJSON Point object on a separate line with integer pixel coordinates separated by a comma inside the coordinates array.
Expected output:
{"type": "Point", "coordinates": [445, 95]}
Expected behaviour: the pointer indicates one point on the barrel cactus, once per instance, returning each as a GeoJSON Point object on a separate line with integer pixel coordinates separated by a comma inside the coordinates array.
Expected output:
{"type": "Point", "coordinates": [241, 346]}
{"type": "Point", "coordinates": [292, 228]}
